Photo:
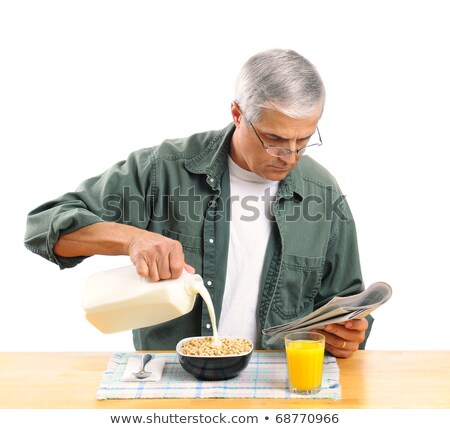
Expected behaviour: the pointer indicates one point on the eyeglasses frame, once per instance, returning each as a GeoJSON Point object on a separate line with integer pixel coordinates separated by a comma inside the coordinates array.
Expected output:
{"type": "Point", "coordinates": [289, 152]}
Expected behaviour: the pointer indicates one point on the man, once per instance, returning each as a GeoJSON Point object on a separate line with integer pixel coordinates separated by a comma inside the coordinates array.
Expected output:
{"type": "Point", "coordinates": [264, 224]}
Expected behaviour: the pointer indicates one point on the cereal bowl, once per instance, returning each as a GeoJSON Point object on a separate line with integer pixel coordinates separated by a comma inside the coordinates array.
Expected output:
{"type": "Point", "coordinates": [205, 366]}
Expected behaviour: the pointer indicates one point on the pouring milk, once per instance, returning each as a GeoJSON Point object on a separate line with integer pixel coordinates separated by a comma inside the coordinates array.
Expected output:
{"type": "Point", "coordinates": [119, 300]}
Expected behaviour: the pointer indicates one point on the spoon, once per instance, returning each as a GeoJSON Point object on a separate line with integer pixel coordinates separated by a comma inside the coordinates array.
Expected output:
{"type": "Point", "coordinates": [142, 373]}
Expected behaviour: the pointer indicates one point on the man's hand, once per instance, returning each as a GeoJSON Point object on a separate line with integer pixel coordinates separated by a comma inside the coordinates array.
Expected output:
{"type": "Point", "coordinates": [157, 257]}
{"type": "Point", "coordinates": [342, 340]}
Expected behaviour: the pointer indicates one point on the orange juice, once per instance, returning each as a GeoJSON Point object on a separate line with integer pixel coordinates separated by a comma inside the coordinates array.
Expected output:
{"type": "Point", "coordinates": [305, 360]}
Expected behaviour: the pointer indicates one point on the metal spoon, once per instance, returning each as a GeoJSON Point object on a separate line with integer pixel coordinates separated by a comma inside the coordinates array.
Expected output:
{"type": "Point", "coordinates": [142, 373]}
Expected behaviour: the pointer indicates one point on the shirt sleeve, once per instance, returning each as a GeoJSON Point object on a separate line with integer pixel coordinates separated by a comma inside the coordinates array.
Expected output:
{"type": "Point", "coordinates": [342, 270]}
{"type": "Point", "coordinates": [98, 199]}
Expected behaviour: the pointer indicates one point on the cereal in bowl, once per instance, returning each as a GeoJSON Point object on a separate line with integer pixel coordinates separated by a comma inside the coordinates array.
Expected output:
{"type": "Point", "coordinates": [205, 346]}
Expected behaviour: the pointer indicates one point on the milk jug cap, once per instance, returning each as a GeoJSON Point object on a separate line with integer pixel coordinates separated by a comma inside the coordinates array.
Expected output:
{"type": "Point", "coordinates": [193, 282]}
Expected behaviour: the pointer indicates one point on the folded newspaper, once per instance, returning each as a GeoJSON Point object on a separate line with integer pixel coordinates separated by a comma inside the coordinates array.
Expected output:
{"type": "Point", "coordinates": [337, 310]}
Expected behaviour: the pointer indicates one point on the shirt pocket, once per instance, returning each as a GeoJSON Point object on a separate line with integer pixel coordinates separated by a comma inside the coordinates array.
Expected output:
{"type": "Point", "coordinates": [299, 283]}
{"type": "Point", "coordinates": [192, 248]}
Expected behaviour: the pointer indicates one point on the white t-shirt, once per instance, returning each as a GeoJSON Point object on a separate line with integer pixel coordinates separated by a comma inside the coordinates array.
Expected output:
{"type": "Point", "coordinates": [250, 226]}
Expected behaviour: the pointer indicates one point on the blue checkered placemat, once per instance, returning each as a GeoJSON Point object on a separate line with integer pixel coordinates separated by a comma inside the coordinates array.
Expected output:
{"type": "Point", "coordinates": [264, 377]}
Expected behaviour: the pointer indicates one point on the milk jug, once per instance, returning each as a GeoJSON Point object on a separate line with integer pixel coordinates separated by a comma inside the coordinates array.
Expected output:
{"type": "Point", "coordinates": [119, 299]}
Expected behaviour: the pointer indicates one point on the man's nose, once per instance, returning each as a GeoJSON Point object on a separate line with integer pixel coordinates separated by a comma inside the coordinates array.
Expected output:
{"type": "Point", "coordinates": [294, 157]}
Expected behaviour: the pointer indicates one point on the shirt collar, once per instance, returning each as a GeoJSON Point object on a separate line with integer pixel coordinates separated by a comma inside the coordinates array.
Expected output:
{"type": "Point", "coordinates": [292, 185]}
{"type": "Point", "coordinates": [212, 160]}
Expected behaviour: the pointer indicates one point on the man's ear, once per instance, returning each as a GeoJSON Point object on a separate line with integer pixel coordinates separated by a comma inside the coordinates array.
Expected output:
{"type": "Point", "coordinates": [236, 114]}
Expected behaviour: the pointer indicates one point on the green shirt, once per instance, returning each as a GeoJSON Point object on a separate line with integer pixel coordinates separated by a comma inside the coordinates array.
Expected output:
{"type": "Point", "coordinates": [181, 190]}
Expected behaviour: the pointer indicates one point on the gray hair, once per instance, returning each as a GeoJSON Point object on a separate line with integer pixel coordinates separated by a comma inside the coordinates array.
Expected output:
{"type": "Point", "coordinates": [281, 80]}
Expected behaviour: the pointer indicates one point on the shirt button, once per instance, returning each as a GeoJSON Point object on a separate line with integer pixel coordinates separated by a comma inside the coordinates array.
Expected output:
{"type": "Point", "coordinates": [208, 326]}
{"type": "Point", "coordinates": [209, 282]}
{"type": "Point", "coordinates": [211, 240]}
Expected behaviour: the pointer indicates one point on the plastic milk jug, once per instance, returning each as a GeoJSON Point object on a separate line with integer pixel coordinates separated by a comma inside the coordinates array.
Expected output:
{"type": "Point", "coordinates": [120, 299]}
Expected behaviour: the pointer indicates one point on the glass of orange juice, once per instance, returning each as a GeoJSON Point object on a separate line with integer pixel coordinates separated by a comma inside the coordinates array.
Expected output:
{"type": "Point", "coordinates": [304, 355]}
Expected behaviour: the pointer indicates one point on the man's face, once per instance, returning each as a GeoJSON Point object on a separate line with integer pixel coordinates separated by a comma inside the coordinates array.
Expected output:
{"type": "Point", "coordinates": [274, 129]}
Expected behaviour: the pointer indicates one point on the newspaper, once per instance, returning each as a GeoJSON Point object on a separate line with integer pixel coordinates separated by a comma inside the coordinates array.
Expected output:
{"type": "Point", "coordinates": [337, 310]}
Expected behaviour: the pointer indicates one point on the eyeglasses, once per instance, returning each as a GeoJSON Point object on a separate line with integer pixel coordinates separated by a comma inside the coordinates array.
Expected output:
{"type": "Point", "coordinates": [283, 152]}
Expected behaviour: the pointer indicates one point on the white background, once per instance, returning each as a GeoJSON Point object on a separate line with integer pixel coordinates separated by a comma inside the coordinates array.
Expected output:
{"type": "Point", "coordinates": [84, 83]}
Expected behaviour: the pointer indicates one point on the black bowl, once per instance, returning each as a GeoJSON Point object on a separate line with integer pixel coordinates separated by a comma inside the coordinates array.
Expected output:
{"type": "Point", "coordinates": [213, 367]}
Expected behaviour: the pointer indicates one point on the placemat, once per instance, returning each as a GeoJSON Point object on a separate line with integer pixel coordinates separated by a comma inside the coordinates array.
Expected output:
{"type": "Point", "coordinates": [264, 377]}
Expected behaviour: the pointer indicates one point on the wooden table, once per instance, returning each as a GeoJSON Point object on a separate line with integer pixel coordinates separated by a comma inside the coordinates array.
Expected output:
{"type": "Point", "coordinates": [369, 379]}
